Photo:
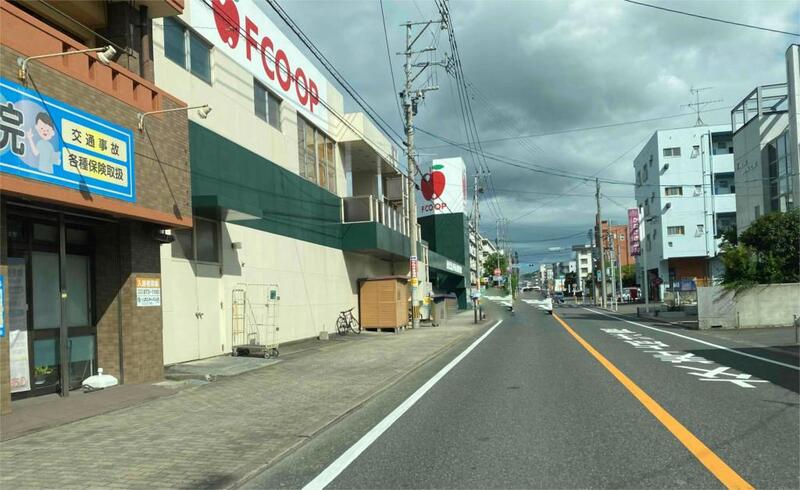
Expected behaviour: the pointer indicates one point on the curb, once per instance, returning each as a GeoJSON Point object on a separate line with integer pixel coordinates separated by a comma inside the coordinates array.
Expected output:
{"type": "Point", "coordinates": [358, 404]}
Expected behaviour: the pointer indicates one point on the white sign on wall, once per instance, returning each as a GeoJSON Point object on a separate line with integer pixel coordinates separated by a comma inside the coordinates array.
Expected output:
{"type": "Point", "coordinates": [443, 187]}
{"type": "Point", "coordinates": [148, 291]}
{"type": "Point", "coordinates": [240, 30]}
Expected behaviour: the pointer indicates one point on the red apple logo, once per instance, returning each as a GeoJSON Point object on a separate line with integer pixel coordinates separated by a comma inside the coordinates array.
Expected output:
{"type": "Point", "coordinates": [432, 184]}
{"type": "Point", "coordinates": [226, 17]}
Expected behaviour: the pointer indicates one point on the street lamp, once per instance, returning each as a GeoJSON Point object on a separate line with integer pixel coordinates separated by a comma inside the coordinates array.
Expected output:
{"type": "Point", "coordinates": [202, 111]}
{"type": "Point", "coordinates": [104, 54]}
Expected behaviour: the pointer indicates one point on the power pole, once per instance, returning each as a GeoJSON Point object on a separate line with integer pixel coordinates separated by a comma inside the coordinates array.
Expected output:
{"type": "Point", "coordinates": [478, 246]}
{"type": "Point", "coordinates": [411, 99]}
{"type": "Point", "coordinates": [600, 248]}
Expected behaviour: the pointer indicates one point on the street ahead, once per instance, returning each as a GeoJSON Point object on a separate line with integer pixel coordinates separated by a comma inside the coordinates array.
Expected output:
{"type": "Point", "coordinates": [579, 399]}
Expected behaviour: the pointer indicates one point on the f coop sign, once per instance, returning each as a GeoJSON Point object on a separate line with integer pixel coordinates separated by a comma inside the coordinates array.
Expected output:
{"type": "Point", "coordinates": [242, 31]}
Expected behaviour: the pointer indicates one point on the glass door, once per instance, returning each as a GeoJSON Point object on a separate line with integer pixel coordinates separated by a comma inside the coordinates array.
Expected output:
{"type": "Point", "coordinates": [34, 243]}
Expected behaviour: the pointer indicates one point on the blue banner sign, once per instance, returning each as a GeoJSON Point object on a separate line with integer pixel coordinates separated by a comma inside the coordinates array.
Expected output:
{"type": "Point", "coordinates": [46, 140]}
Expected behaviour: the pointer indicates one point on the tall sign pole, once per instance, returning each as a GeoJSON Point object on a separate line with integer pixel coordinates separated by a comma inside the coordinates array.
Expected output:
{"type": "Point", "coordinates": [410, 99]}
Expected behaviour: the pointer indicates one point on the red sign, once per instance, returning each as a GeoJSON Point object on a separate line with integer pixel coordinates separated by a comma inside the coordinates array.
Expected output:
{"type": "Point", "coordinates": [413, 261]}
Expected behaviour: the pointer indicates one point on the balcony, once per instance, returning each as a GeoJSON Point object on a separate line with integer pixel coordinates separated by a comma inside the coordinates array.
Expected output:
{"type": "Point", "coordinates": [362, 209]}
{"type": "Point", "coordinates": [25, 35]}
{"type": "Point", "coordinates": [375, 227]}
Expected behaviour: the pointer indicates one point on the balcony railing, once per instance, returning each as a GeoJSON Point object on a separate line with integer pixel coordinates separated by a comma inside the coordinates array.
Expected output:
{"type": "Point", "coordinates": [764, 99]}
{"type": "Point", "coordinates": [29, 36]}
{"type": "Point", "coordinates": [365, 209]}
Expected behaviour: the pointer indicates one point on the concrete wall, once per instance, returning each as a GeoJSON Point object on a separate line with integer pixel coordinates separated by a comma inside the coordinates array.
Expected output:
{"type": "Point", "coordinates": [768, 305]}
{"type": "Point", "coordinates": [315, 283]}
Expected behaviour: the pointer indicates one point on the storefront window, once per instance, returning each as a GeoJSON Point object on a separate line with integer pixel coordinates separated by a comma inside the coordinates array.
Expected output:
{"type": "Point", "coordinates": [316, 155]}
{"type": "Point", "coordinates": [46, 294]}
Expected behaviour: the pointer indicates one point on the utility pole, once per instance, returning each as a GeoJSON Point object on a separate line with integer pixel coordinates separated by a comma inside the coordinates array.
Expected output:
{"type": "Point", "coordinates": [411, 99]}
{"type": "Point", "coordinates": [600, 247]}
{"type": "Point", "coordinates": [476, 219]}
{"type": "Point", "coordinates": [613, 258]}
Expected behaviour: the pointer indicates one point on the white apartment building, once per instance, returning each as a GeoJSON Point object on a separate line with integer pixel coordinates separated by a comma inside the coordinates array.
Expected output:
{"type": "Point", "coordinates": [765, 141]}
{"type": "Point", "coordinates": [583, 260]}
{"type": "Point", "coordinates": [685, 186]}
{"type": "Point", "coordinates": [476, 251]}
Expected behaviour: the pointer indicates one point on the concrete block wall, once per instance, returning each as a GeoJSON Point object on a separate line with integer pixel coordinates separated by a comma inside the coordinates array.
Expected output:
{"type": "Point", "coordinates": [765, 305]}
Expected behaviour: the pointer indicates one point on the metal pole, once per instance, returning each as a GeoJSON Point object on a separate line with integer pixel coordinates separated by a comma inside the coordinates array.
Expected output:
{"type": "Point", "coordinates": [619, 266]}
{"type": "Point", "coordinates": [412, 172]}
{"type": "Point", "coordinates": [600, 247]}
{"type": "Point", "coordinates": [63, 332]}
{"type": "Point", "coordinates": [643, 254]}
{"type": "Point", "coordinates": [612, 257]}
{"type": "Point", "coordinates": [475, 222]}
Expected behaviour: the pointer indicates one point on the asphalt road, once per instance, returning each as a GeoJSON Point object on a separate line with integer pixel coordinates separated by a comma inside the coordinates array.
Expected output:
{"type": "Point", "coordinates": [531, 407]}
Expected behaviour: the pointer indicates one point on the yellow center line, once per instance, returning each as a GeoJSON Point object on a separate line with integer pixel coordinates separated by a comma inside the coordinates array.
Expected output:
{"type": "Point", "coordinates": [706, 456]}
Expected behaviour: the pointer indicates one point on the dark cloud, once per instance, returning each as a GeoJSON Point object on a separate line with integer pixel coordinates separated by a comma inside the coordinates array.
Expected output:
{"type": "Point", "coordinates": [550, 66]}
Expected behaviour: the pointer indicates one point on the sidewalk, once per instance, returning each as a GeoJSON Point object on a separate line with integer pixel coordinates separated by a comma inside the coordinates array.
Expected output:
{"type": "Point", "coordinates": [213, 435]}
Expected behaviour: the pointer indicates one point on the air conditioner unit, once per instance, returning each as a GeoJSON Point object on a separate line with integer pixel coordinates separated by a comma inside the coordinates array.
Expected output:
{"type": "Point", "coordinates": [394, 188]}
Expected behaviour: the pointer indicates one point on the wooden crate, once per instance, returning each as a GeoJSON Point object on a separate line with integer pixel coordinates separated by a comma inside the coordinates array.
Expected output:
{"type": "Point", "coordinates": [383, 302]}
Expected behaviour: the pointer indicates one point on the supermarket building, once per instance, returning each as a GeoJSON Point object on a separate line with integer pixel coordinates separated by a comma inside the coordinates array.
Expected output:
{"type": "Point", "coordinates": [288, 191]}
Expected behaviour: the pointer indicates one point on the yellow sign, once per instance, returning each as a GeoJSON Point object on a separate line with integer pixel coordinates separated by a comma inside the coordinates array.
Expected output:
{"type": "Point", "coordinates": [92, 140]}
{"type": "Point", "coordinates": [87, 165]}
{"type": "Point", "coordinates": [414, 281]}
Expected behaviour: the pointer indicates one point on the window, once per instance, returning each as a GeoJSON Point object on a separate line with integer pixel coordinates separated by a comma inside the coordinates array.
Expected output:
{"type": "Point", "coordinates": [695, 151]}
{"type": "Point", "coordinates": [675, 230]}
{"type": "Point", "coordinates": [722, 144]}
{"type": "Point", "coordinates": [187, 49]}
{"type": "Point", "coordinates": [267, 105]}
{"type": "Point", "coordinates": [201, 243]}
{"type": "Point", "coordinates": [317, 155]}
{"type": "Point", "coordinates": [672, 152]}
{"type": "Point", "coordinates": [700, 230]}
{"type": "Point", "coordinates": [723, 183]}
{"type": "Point", "coordinates": [673, 191]}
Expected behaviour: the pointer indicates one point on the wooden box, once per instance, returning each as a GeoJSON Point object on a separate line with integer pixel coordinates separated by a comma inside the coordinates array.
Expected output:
{"type": "Point", "coordinates": [383, 302]}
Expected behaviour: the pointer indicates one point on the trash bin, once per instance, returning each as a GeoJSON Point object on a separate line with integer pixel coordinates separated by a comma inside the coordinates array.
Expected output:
{"type": "Point", "coordinates": [438, 312]}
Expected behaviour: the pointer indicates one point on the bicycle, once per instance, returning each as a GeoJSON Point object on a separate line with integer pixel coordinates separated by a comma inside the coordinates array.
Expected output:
{"type": "Point", "coordinates": [345, 322]}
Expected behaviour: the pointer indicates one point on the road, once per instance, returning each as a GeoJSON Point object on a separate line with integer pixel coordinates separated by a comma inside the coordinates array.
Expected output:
{"type": "Point", "coordinates": [579, 399]}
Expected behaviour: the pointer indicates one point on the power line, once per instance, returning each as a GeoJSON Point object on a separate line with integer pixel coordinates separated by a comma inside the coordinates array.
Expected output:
{"type": "Point", "coordinates": [295, 28]}
{"type": "Point", "coordinates": [391, 69]}
{"type": "Point", "coordinates": [750, 26]}
{"type": "Point", "coordinates": [587, 128]}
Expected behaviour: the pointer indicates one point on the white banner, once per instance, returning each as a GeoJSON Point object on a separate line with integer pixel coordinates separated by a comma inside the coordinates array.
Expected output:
{"type": "Point", "coordinates": [241, 30]}
{"type": "Point", "coordinates": [18, 326]}
{"type": "Point", "coordinates": [443, 188]}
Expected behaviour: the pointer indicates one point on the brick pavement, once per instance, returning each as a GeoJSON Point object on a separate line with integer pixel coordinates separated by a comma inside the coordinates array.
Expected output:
{"type": "Point", "coordinates": [212, 435]}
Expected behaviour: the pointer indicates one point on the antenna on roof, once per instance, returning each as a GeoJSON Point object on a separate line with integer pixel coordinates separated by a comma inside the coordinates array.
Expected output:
{"type": "Point", "coordinates": [698, 104]}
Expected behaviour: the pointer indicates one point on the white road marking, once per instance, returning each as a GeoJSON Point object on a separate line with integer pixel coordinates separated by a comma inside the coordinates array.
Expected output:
{"type": "Point", "coordinates": [778, 363]}
{"type": "Point", "coordinates": [342, 462]}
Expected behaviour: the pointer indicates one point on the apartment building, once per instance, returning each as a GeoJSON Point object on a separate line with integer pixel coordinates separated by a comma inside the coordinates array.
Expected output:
{"type": "Point", "coordinates": [584, 266]}
{"type": "Point", "coordinates": [765, 141]}
{"type": "Point", "coordinates": [685, 187]}
{"type": "Point", "coordinates": [86, 195]}
{"type": "Point", "coordinates": [289, 193]}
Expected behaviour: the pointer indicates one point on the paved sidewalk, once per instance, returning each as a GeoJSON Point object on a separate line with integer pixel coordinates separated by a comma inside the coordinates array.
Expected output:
{"type": "Point", "coordinates": [213, 435]}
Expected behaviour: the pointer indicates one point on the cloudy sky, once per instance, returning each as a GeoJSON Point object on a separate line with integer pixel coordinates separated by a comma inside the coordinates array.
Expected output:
{"type": "Point", "coordinates": [550, 66]}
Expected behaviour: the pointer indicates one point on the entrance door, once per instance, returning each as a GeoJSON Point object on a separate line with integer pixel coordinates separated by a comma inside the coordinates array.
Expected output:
{"type": "Point", "coordinates": [37, 255]}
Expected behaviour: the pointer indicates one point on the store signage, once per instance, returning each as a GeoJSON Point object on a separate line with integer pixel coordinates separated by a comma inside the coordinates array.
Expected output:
{"type": "Point", "coordinates": [443, 189]}
{"type": "Point", "coordinates": [413, 262]}
{"type": "Point", "coordinates": [46, 140]}
{"type": "Point", "coordinates": [633, 232]}
{"type": "Point", "coordinates": [148, 291]}
{"type": "Point", "coordinates": [454, 267]}
{"type": "Point", "coordinates": [242, 31]}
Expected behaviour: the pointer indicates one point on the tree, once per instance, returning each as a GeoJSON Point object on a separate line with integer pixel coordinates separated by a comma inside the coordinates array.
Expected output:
{"type": "Point", "coordinates": [494, 261]}
{"type": "Point", "coordinates": [628, 275]}
{"type": "Point", "coordinates": [768, 252]}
